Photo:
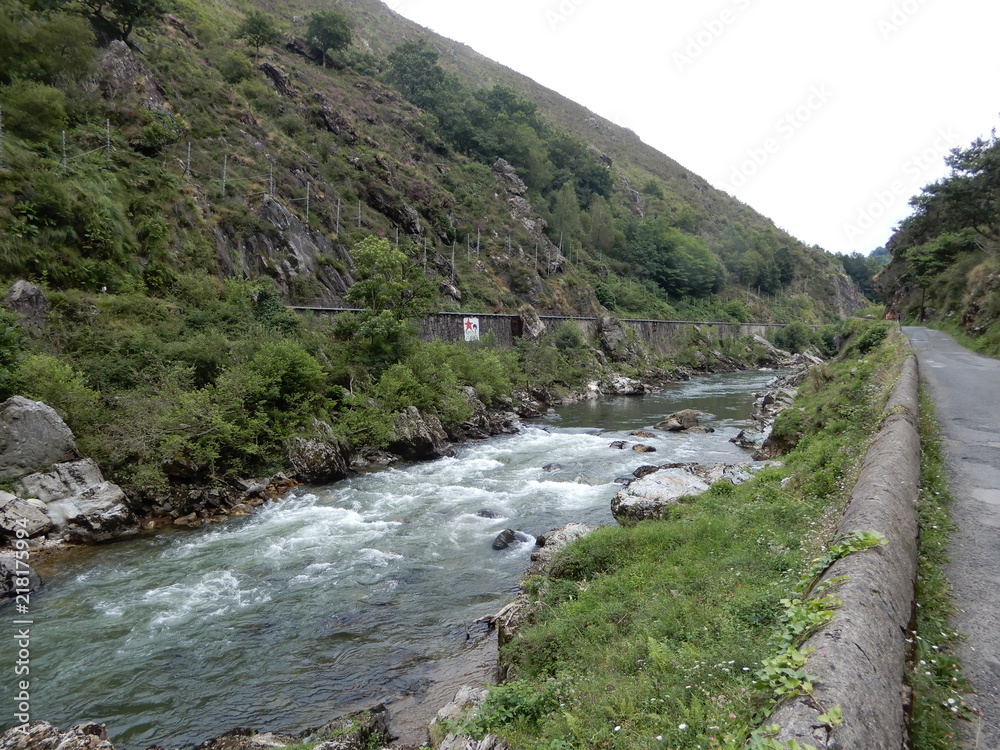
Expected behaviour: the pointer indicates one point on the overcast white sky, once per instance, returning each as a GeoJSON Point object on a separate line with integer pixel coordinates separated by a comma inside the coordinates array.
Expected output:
{"type": "Point", "coordinates": [824, 116]}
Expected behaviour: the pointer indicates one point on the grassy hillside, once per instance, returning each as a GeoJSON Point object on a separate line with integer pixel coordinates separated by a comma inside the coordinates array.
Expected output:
{"type": "Point", "coordinates": [172, 173]}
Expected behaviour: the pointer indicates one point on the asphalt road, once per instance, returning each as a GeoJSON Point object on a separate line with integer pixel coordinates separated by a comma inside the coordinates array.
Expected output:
{"type": "Point", "coordinates": [965, 388]}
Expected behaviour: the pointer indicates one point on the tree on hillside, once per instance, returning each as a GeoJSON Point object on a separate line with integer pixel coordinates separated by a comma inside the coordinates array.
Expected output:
{"type": "Point", "coordinates": [258, 29]}
{"type": "Point", "coordinates": [386, 280]}
{"type": "Point", "coordinates": [566, 214]}
{"type": "Point", "coordinates": [413, 69]}
{"type": "Point", "coordinates": [119, 18]}
{"type": "Point", "coordinates": [329, 31]}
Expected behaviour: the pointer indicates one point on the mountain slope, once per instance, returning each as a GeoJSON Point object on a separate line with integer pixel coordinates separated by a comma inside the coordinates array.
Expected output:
{"type": "Point", "coordinates": [236, 147]}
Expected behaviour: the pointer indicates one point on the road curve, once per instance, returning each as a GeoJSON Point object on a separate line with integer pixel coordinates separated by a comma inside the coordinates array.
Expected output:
{"type": "Point", "coordinates": [965, 389]}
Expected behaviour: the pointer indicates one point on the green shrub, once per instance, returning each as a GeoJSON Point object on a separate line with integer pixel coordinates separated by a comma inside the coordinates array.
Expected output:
{"type": "Point", "coordinates": [568, 337]}
{"type": "Point", "coordinates": [33, 110]}
{"type": "Point", "coordinates": [794, 337]}
{"type": "Point", "coordinates": [47, 379]}
{"type": "Point", "coordinates": [870, 338]}
{"type": "Point", "coordinates": [12, 350]}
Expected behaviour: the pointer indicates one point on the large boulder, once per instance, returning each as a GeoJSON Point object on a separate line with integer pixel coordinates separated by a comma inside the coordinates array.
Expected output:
{"type": "Point", "coordinates": [26, 516]}
{"type": "Point", "coordinates": [648, 497]}
{"type": "Point", "coordinates": [318, 460]}
{"type": "Point", "coordinates": [532, 326]}
{"type": "Point", "coordinates": [686, 419]}
{"type": "Point", "coordinates": [17, 575]}
{"type": "Point", "coordinates": [32, 437]}
{"type": "Point", "coordinates": [40, 735]}
{"type": "Point", "coordinates": [28, 301]}
{"type": "Point", "coordinates": [82, 506]}
{"type": "Point", "coordinates": [357, 731]}
{"type": "Point", "coordinates": [418, 437]}
{"type": "Point", "coordinates": [656, 488]}
{"type": "Point", "coordinates": [619, 344]}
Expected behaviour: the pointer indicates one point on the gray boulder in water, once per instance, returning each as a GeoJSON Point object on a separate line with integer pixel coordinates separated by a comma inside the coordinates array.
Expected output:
{"type": "Point", "coordinates": [504, 539]}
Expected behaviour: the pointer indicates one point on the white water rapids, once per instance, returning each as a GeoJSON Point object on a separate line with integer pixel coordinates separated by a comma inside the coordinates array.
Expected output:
{"type": "Point", "coordinates": [335, 598]}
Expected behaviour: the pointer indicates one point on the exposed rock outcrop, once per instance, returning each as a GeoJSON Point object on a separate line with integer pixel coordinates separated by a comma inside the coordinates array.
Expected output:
{"type": "Point", "coordinates": [28, 301]}
{"type": "Point", "coordinates": [26, 516]}
{"type": "Point", "coordinates": [32, 436]}
{"type": "Point", "coordinates": [418, 437]}
{"type": "Point", "coordinates": [319, 459]}
{"type": "Point", "coordinates": [619, 344]}
{"type": "Point", "coordinates": [82, 506]}
{"type": "Point", "coordinates": [17, 575]}
{"type": "Point", "coordinates": [40, 735]}
{"type": "Point", "coordinates": [655, 489]}
{"type": "Point", "coordinates": [287, 250]}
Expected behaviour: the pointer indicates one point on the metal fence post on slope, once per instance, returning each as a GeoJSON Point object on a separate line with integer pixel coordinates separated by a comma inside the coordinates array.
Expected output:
{"type": "Point", "coordinates": [308, 186]}
{"type": "Point", "coordinates": [453, 243]}
{"type": "Point", "coordinates": [477, 243]}
{"type": "Point", "coordinates": [338, 216]}
{"type": "Point", "coordinates": [270, 178]}
{"type": "Point", "coordinates": [225, 167]}
{"type": "Point", "coordinates": [425, 256]}
{"type": "Point", "coordinates": [187, 164]}
{"type": "Point", "coordinates": [359, 214]}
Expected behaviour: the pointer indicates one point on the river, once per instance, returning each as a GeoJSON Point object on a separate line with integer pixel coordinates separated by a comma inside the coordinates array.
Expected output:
{"type": "Point", "coordinates": [337, 597]}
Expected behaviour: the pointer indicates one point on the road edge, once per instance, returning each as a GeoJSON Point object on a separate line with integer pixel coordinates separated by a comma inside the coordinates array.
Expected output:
{"type": "Point", "coordinates": [860, 656]}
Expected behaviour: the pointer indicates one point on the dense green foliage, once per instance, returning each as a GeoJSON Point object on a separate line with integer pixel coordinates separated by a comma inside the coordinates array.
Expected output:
{"type": "Point", "coordinates": [655, 635]}
{"type": "Point", "coordinates": [945, 255]}
{"type": "Point", "coordinates": [172, 195]}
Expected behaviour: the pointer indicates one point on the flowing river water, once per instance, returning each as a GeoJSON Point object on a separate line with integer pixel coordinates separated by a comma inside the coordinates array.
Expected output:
{"type": "Point", "coordinates": [337, 597]}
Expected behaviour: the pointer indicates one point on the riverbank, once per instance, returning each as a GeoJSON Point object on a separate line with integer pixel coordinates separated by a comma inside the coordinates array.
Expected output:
{"type": "Point", "coordinates": [655, 635]}
{"type": "Point", "coordinates": [346, 557]}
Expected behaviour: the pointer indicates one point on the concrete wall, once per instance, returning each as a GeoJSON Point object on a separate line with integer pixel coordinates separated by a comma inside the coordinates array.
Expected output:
{"type": "Point", "coordinates": [664, 337]}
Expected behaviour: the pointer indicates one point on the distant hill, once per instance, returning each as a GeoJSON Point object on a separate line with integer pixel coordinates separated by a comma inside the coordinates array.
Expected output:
{"type": "Point", "coordinates": [273, 125]}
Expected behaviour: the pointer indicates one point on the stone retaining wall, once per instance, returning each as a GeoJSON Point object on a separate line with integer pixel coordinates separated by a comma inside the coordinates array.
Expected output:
{"type": "Point", "coordinates": [860, 656]}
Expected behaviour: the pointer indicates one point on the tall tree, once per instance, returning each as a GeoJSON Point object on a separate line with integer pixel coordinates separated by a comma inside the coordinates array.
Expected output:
{"type": "Point", "coordinates": [566, 213]}
{"type": "Point", "coordinates": [413, 69]}
{"type": "Point", "coordinates": [258, 29]}
{"type": "Point", "coordinates": [329, 31]}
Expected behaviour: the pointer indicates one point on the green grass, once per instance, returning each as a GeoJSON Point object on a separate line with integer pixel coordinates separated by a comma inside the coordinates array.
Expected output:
{"type": "Point", "coordinates": [935, 674]}
{"type": "Point", "coordinates": [653, 636]}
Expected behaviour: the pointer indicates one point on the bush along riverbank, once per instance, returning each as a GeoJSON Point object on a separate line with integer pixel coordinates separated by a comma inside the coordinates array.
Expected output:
{"type": "Point", "coordinates": [687, 632]}
{"type": "Point", "coordinates": [203, 406]}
